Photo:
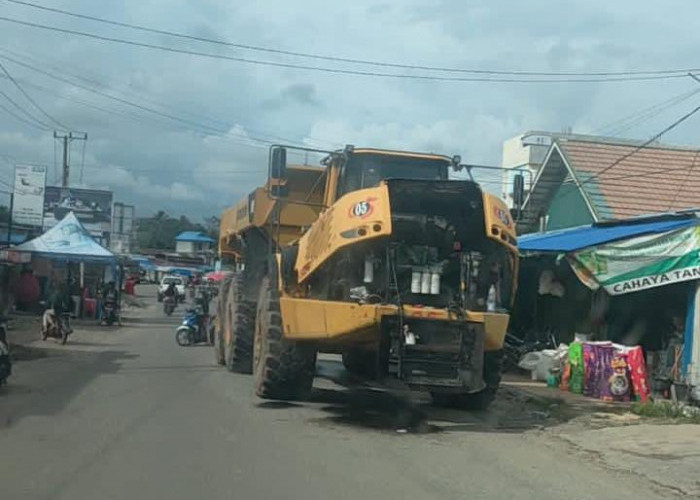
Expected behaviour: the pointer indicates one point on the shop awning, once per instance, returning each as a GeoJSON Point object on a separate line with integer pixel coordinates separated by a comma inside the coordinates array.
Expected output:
{"type": "Point", "coordinates": [69, 241]}
{"type": "Point", "coordinates": [577, 238]}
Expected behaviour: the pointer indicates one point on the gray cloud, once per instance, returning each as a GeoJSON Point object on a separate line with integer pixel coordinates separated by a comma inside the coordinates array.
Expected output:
{"type": "Point", "coordinates": [293, 96]}
{"type": "Point", "coordinates": [211, 155]}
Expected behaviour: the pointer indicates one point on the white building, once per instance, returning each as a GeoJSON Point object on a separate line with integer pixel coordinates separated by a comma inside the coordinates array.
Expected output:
{"type": "Point", "coordinates": [524, 154]}
{"type": "Point", "coordinates": [194, 243]}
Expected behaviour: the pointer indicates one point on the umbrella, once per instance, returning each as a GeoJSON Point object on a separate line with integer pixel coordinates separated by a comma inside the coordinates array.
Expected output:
{"type": "Point", "coordinates": [216, 276]}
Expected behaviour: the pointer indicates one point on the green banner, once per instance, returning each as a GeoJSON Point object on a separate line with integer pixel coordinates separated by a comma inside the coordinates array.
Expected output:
{"type": "Point", "coordinates": [640, 263]}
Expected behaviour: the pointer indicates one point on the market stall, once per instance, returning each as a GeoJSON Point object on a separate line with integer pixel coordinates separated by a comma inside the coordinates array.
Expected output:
{"type": "Point", "coordinates": [67, 253]}
{"type": "Point", "coordinates": [630, 284]}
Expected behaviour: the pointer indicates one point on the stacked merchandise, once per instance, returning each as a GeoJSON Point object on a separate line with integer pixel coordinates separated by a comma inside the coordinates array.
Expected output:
{"type": "Point", "coordinates": [606, 371]}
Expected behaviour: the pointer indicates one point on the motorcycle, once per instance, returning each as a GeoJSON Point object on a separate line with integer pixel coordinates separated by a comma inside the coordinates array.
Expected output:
{"type": "Point", "coordinates": [169, 305]}
{"type": "Point", "coordinates": [194, 328]}
{"type": "Point", "coordinates": [55, 326]}
{"type": "Point", "coordinates": [110, 314]}
{"type": "Point", "coordinates": [5, 361]}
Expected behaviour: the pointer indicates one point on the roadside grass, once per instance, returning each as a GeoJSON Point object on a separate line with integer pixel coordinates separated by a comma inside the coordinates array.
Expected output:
{"type": "Point", "coordinates": [667, 410]}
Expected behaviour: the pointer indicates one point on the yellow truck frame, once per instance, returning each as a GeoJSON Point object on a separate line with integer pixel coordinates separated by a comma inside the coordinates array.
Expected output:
{"type": "Point", "coordinates": [405, 277]}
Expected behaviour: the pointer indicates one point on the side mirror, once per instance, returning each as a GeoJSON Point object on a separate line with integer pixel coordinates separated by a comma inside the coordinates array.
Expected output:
{"type": "Point", "coordinates": [518, 191]}
{"type": "Point", "coordinates": [278, 163]}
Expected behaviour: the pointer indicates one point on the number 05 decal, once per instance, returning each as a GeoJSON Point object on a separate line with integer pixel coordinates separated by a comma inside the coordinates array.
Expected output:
{"type": "Point", "coordinates": [362, 209]}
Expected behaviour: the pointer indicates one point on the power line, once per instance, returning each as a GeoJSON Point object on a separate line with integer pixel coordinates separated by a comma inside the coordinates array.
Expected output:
{"type": "Point", "coordinates": [323, 69]}
{"type": "Point", "coordinates": [199, 116]}
{"type": "Point", "coordinates": [685, 181]}
{"type": "Point", "coordinates": [642, 146]}
{"type": "Point", "coordinates": [204, 128]}
{"type": "Point", "coordinates": [32, 121]}
{"type": "Point", "coordinates": [579, 185]}
{"type": "Point", "coordinates": [621, 125]}
{"type": "Point", "coordinates": [29, 98]}
{"type": "Point", "coordinates": [336, 58]}
{"type": "Point", "coordinates": [190, 123]}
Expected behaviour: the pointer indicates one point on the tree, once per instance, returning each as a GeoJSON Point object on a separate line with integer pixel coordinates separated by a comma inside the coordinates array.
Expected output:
{"type": "Point", "coordinates": [159, 232]}
{"type": "Point", "coordinates": [212, 226]}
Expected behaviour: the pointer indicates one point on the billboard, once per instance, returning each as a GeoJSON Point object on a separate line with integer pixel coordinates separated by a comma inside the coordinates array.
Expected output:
{"type": "Point", "coordinates": [92, 207]}
{"type": "Point", "coordinates": [28, 202]}
{"type": "Point", "coordinates": [122, 228]}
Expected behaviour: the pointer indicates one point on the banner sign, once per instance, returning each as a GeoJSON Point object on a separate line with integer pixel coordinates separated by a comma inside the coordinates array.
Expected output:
{"type": "Point", "coordinates": [92, 207]}
{"type": "Point", "coordinates": [28, 203]}
{"type": "Point", "coordinates": [640, 263]}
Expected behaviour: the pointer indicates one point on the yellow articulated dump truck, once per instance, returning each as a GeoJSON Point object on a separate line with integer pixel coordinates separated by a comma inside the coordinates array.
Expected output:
{"type": "Point", "coordinates": [383, 259]}
{"type": "Point", "coordinates": [245, 234]}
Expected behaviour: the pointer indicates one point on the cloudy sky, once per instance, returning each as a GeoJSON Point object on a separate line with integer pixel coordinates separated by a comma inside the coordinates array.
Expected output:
{"type": "Point", "coordinates": [189, 134]}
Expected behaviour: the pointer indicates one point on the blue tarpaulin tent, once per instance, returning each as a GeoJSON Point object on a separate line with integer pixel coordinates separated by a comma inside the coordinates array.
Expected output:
{"type": "Point", "coordinates": [577, 238]}
{"type": "Point", "coordinates": [68, 241]}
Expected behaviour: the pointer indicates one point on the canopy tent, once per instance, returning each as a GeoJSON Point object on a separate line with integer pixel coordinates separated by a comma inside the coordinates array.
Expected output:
{"type": "Point", "coordinates": [578, 238]}
{"type": "Point", "coordinates": [68, 241]}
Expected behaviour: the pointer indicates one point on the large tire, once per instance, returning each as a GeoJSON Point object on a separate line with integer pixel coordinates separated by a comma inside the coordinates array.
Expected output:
{"type": "Point", "coordinates": [239, 348]}
{"type": "Point", "coordinates": [283, 369]}
{"type": "Point", "coordinates": [221, 323]}
{"type": "Point", "coordinates": [493, 366]}
{"type": "Point", "coordinates": [360, 362]}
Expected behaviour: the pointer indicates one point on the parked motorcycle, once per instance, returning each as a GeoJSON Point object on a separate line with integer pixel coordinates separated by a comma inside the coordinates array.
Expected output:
{"type": "Point", "coordinates": [55, 326]}
{"type": "Point", "coordinates": [110, 314]}
{"type": "Point", "coordinates": [194, 328]}
{"type": "Point", "coordinates": [169, 305]}
{"type": "Point", "coordinates": [5, 361]}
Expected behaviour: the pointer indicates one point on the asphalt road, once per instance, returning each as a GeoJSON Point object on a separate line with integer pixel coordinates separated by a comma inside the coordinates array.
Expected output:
{"type": "Point", "coordinates": [125, 413]}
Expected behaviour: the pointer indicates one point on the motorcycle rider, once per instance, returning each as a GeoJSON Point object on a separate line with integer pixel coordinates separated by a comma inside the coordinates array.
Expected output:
{"type": "Point", "coordinates": [62, 303]}
{"type": "Point", "coordinates": [170, 298]}
{"type": "Point", "coordinates": [110, 299]}
{"type": "Point", "coordinates": [171, 291]}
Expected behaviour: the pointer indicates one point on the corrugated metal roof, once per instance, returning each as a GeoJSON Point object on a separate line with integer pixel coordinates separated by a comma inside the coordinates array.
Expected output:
{"type": "Point", "coordinates": [570, 240]}
{"type": "Point", "coordinates": [194, 236]}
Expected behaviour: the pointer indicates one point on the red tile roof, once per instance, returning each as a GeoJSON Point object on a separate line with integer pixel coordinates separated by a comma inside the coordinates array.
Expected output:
{"type": "Point", "coordinates": [653, 179]}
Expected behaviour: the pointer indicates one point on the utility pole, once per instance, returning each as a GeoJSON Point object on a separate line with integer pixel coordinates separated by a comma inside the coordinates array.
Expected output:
{"type": "Point", "coordinates": [67, 139]}
{"type": "Point", "coordinates": [9, 224]}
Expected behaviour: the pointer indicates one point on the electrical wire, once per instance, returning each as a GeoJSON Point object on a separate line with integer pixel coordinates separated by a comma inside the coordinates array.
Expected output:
{"type": "Point", "coordinates": [7, 184]}
{"type": "Point", "coordinates": [334, 58]}
{"type": "Point", "coordinates": [579, 185]}
{"type": "Point", "coordinates": [29, 98]}
{"type": "Point", "coordinates": [79, 74]}
{"type": "Point", "coordinates": [190, 123]}
{"type": "Point", "coordinates": [39, 126]}
{"type": "Point", "coordinates": [204, 128]}
{"type": "Point", "coordinates": [642, 146]}
{"type": "Point", "coordinates": [685, 181]}
{"type": "Point", "coordinates": [323, 69]}
{"type": "Point", "coordinates": [621, 125]}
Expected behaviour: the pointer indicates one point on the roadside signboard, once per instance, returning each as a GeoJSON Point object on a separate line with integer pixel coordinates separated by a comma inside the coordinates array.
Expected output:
{"type": "Point", "coordinates": [92, 207]}
{"type": "Point", "coordinates": [28, 203]}
{"type": "Point", "coordinates": [640, 263]}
